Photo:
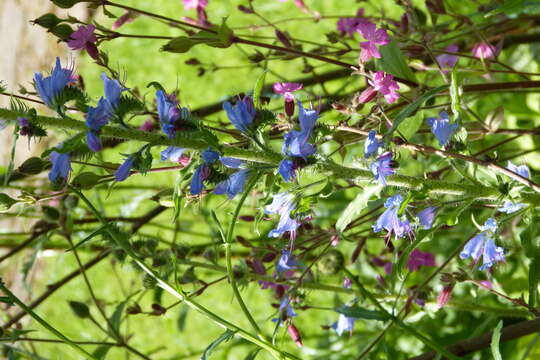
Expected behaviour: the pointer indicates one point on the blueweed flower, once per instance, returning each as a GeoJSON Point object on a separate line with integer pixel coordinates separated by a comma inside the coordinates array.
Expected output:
{"type": "Point", "coordinates": [442, 128]}
{"type": "Point", "coordinates": [484, 245]}
{"type": "Point", "coordinates": [113, 90]}
{"type": "Point", "coordinates": [371, 145]}
{"type": "Point", "coordinates": [283, 204]}
{"type": "Point", "coordinates": [343, 324]}
{"type": "Point", "coordinates": [286, 262]}
{"type": "Point", "coordinates": [172, 153]}
{"type": "Point", "coordinates": [448, 61]}
{"type": "Point", "coordinates": [96, 118]}
{"type": "Point", "coordinates": [50, 87]}
{"type": "Point", "coordinates": [197, 181]}
{"type": "Point", "coordinates": [285, 306]}
{"type": "Point", "coordinates": [168, 113]}
{"type": "Point", "coordinates": [296, 142]}
{"type": "Point", "coordinates": [419, 258]}
{"type": "Point", "coordinates": [389, 219]}
{"type": "Point", "coordinates": [233, 185]}
{"type": "Point", "coordinates": [124, 170]}
{"type": "Point", "coordinates": [241, 115]}
{"type": "Point", "coordinates": [426, 217]}
{"type": "Point", "coordinates": [287, 170]}
{"type": "Point", "coordinates": [210, 156]}
{"type": "Point", "coordinates": [231, 162]}
{"type": "Point", "coordinates": [61, 166]}
{"type": "Point", "coordinates": [509, 207]}
{"type": "Point", "coordinates": [382, 167]}
{"type": "Point", "coordinates": [522, 170]}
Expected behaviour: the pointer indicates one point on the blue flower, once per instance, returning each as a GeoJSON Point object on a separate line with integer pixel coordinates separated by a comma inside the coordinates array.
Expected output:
{"type": "Point", "coordinates": [285, 304]}
{"type": "Point", "coordinates": [522, 170]}
{"type": "Point", "coordinates": [96, 118]}
{"type": "Point", "coordinates": [50, 87]}
{"type": "Point", "coordinates": [483, 244]}
{"type": "Point", "coordinates": [112, 89]}
{"type": "Point", "coordinates": [168, 113]}
{"type": "Point", "coordinates": [371, 145]}
{"type": "Point", "coordinates": [241, 115]}
{"type": "Point", "coordinates": [442, 128]}
{"type": "Point", "coordinates": [382, 167]}
{"type": "Point", "coordinates": [283, 204]}
{"type": "Point", "coordinates": [210, 156]}
{"type": "Point", "coordinates": [172, 153]}
{"type": "Point", "coordinates": [426, 217]}
{"type": "Point", "coordinates": [389, 219]}
{"type": "Point", "coordinates": [231, 162]}
{"type": "Point", "coordinates": [510, 207]}
{"type": "Point", "coordinates": [200, 174]}
{"type": "Point", "coordinates": [61, 166]}
{"type": "Point", "coordinates": [287, 170]}
{"type": "Point", "coordinates": [296, 142]}
{"type": "Point", "coordinates": [344, 323]}
{"type": "Point", "coordinates": [233, 185]}
{"type": "Point", "coordinates": [286, 262]}
{"type": "Point", "coordinates": [123, 170]}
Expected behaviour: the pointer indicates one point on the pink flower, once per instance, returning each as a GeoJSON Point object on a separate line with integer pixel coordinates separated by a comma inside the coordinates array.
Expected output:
{"type": "Point", "coordinates": [195, 4]}
{"type": "Point", "coordinates": [484, 51]}
{"type": "Point", "coordinates": [446, 60]}
{"type": "Point", "coordinates": [419, 258]}
{"type": "Point", "coordinates": [444, 296]}
{"type": "Point", "coordinates": [124, 19]}
{"type": "Point", "coordinates": [374, 37]}
{"type": "Point", "coordinates": [295, 334]}
{"type": "Point", "coordinates": [84, 38]}
{"type": "Point", "coordinates": [147, 126]}
{"type": "Point", "coordinates": [286, 89]}
{"type": "Point", "coordinates": [299, 4]}
{"type": "Point", "coordinates": [385, 84]}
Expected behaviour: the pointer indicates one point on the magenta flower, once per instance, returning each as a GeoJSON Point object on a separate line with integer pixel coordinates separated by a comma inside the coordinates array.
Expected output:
{"type": "Point", "coordinates": [286, 89]}
{"type": "Point", "coordinates": [484, 51]}
{"type": "Point", "coordinates": [350, 25]}
{"type": "Point", "coordinates": [385, 84]}
{"type": "Point", "coordinates": [419, 258]}
{"type": "Point", "coordinates": [195, 4]}
{"type": "Point", "coordinates": [444, 296]}
{"type": "Point", "coordinates": [374, 37]}
{"type": "Point", "coordinates": [447, 61]}
{"type": "Point", "coordinates": [84, 38]}
{"type": "Point", "coordinates": [124, 19]}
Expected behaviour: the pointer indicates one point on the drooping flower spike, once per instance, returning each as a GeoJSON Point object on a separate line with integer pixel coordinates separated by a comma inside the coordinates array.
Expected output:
{"type": "Point", "coordinates": [390, 221]}
{"type": "Point", "coordinates": [442, 128]}
{"type": "Point", "coordinates": [50, 87]}
{"type": "Point", "coordinates": [484, 245]}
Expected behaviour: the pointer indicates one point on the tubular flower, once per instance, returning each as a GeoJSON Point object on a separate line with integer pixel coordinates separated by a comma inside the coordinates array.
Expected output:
{"type": "Point", "coordinates": [96, 118]}
{"type": "Point", "coordinates": [426, 217]}
{"type": "Point", "coordinates": [447, 61]}
{"type": "Point", "coordinates": [510, 207]}
{"type": "Point", "coordinates": [344, 323]}
{"type": "Point", "coordinates": [50, 87]}
{"type": "Point", "coordinates": [286, 262]}
{"type": "Point", "coordinates": [382, 167]}
{"type": "Point", "coordinates": [442, 128]}
{"type": "Point", "coordinates": [172, 153]}
{"type": "Point", "coordinates": [484, 245]}
{"type": "Point", "coordinates": [170, 116]}
{"type": "Point", "coordinates": [296, 142]}
{"type": "Point", "coordinates": [123, 170]}
{"type": "Point", "coordinates": [389, 219]}
{"type": "Point", "coordinates": [371, 145]}
{"type": "Point", "coordinates": [374, 37]}
{"type": "Point", "coordinates": [113, 90]}
{"type": "Point", "coordinates": [84, 38]}
{"type": "Point", "coordinates": [241, 115]}
{"type": "Point", "coordinates": [283, 204]}
{"type": "Point", "coordinates": [61, 166]}
{"type": "Point", "coordinates": [233, 185]}
{"type": "Point", "coordinates": [287, 170]}
{"type": "Point", "coordinates": [522, 170]}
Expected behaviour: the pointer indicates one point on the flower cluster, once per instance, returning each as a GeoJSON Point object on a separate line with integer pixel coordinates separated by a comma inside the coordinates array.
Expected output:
{"type": "Point", "coordinates": [484, 245]}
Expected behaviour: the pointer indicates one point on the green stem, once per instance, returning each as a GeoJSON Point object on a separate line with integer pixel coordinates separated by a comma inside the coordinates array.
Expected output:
{"type": "Point", "coordinates": [180, 295]}
{"type": "Point", "coordinates": [45, 324]}
{"type": "Point", "coordinates": [432, 344]}
{"type": "Point", "coordinates": [228, 243]}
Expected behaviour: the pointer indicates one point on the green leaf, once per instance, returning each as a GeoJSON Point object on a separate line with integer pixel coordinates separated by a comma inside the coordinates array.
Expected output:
{"type": "Point", "coordinates": [86, 180]}
{"type": "Point", "coordinates": [226, 336]}
{"type": "Point", "coordinates": [252, 355]}
{"type": "Point", "coordinates": [257, 90]}
{"type": "Point", "coordinates": [101, 351]}
{"type": "Point", "coordinates": [495, 338]}
{"type": "Point", "coordinates": [530, 239]}
{"type": "Point", "coordinates": [80, 309]}
{"type": "Point", "coordinates": [356, 206]}
{"type": "Point", "coordinates": [181, 44]}
{"type": "Point", "coordinates": [181, 322]}
{"type": "Point", "coordinates": [409, 128]}
{"type": "Point", "coordinates": [412, 107]}
{"type": "Point", "coordinates": [358, 312]}
{"type": "Point", "coordinates": [6, 202]}
{"type": "Point", "coordinates": [534, 276]}
{"type": "Point", "coordinates": [455, 95]}
{"type": "Point", "coordinates": [393, 62]}
{"type": "Point", "coordinates": [515, 7]}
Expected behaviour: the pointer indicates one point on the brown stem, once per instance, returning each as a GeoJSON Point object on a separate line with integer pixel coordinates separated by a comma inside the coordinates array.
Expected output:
{"type": "Point", "coordinates": [508, 333]}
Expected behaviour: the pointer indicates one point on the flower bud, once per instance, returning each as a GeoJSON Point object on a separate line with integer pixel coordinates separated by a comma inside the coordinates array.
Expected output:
{"type": "Point", "coordinates": [158, 309]}
{"type": "Point", "coordinates": [245, 9]}
{"type": "Point", "coordinates": [366, 95]}
{"type": "Point", "coordinates": [444, 296]}
{"type": "Point", "coordinates": [295, 334]}
{"type": "Point", "coordinates": [47, 21]}
{"type": "Point", "coordinates": [289, 107]}
{"type": "Point", "coordinates": [134, 309]}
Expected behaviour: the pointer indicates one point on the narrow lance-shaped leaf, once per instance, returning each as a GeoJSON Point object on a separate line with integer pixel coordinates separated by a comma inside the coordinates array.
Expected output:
{"type": "Point", "coordinates": [356, 206]}
{"type": "Point", "coordinates": [495, 339]}
{"type": "Point", "coordinates": [226, 336]}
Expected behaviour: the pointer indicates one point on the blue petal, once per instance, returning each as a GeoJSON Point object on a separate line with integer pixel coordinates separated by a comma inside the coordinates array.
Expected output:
{"type": "Point", "coordinates": [172, 153]}
{"type": "Point", "coordinates": [286, 169]}
{"type": "Point", "coordinates": [473, 248]}
{"type": "Point", "coordinates": [99, 116]}
{"type": "Point", "coordinates": [231, 162]}
{"type": "Point", "coordinates": [241, 115]}
{"type": "Point", "coordinates": [123, 171]}
{"type": "Point", "coordinates": [197, 182]}
{"type": "Point", "coordinates": [233, 185]}
{"type": "Point", "coordinates": [510, 207]}
{"type": "Point", "coordinates": [371, 145]}
{"type": "Point", "coordinates": [286, 262]}
{"type": "Point", "coordinates": [112, 89]}
{"type": "Point", "coordinates": [61, 166]}
{"type": "Point", "coordinates": [93, 141]}
{"type": "Point", "coordinates": [426, 217]}
{"type": "Point", "coordinates": [210, 156]}
{"type": "Point", "coordinates": [492, 254]}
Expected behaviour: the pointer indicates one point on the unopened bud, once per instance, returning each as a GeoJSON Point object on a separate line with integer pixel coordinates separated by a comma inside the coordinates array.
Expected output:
{"type": "Point", "coordinates": [295, 334]}
{"type": "Point", "coordinates": [366, 96]}
{"type": "Point", "coordinates": [289, 107]}
{"type": "Point", "coordinates": [245, 9]}
{"type": "Point", "coordinates": [444, 296]}
{"type": "Point", "coordinates": [158, 309]}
